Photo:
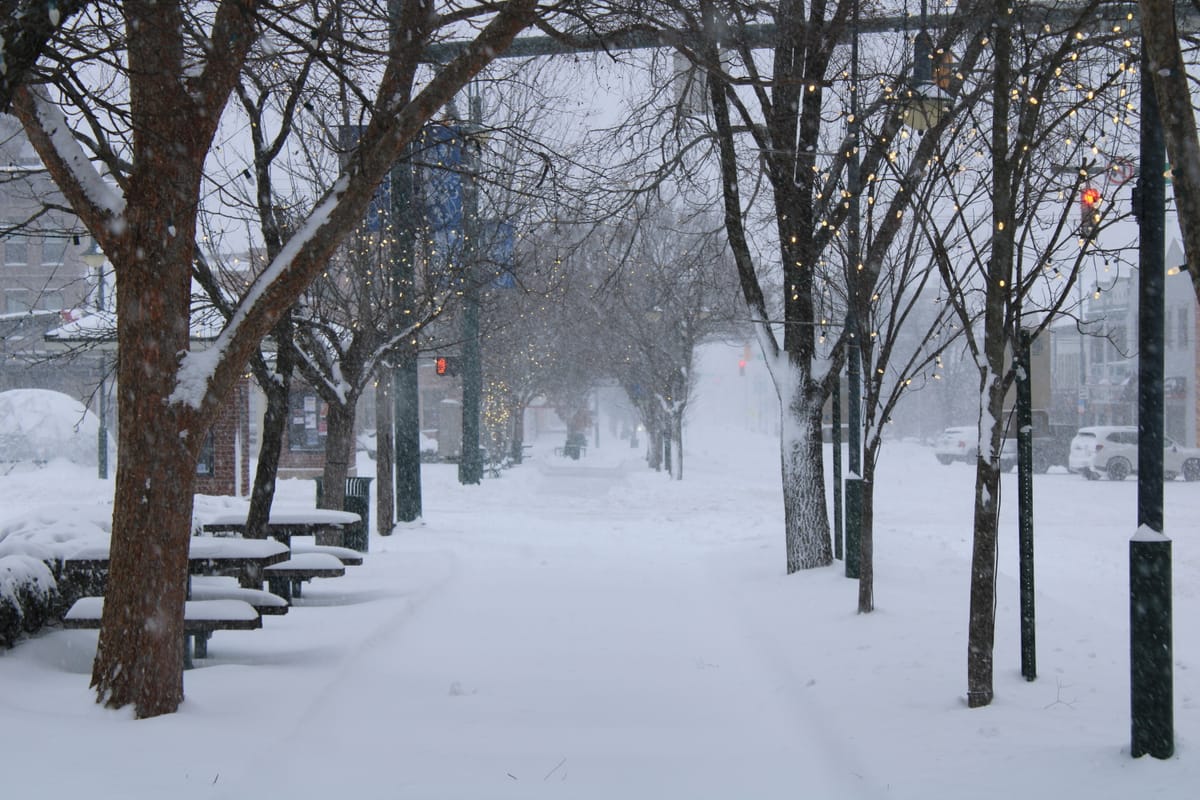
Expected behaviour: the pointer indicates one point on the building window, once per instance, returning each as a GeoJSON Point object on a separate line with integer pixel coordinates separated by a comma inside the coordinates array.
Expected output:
{"type": "Point", "coordinates": [16, 301]}
{"type": "Point", "coordinates": [306, 422]}
{"type": "Point", "coordinates": [16, 249]}
{"type": "Point", "coordinates": [50, 301]}
{"type": "Point", "coordinates": [53, 250]}
{"type": "Point", "coordinates": [1185, 323]}
{"type": "Point", "coordinates": [206, 465]}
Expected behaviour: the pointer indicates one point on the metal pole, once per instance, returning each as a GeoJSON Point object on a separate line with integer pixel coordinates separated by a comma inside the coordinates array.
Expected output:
{"type": "Point", "coordinates": [835, 399]}
{"type": "Point", "coordinates": [853, 324]}
{"type": "Point", "coordinates": [470, 463]}
{"type": "Point", "coordinates": [1150, 634]}
{"type": "Point", "coordinates": [1025, 506]}
{"type": "Point", "coordinates": [405, 397]}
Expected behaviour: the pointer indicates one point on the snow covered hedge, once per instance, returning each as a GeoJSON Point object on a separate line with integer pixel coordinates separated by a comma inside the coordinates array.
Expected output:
{"type": "Point", "coordinates": [28, 596]}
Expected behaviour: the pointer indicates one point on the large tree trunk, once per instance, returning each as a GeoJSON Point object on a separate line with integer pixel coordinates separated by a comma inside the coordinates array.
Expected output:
{"type": "Point", "coordinates": [518, 436]}
{"type": "Point", "coordinates": [339, 447]}
{"type": "Point", "coordinates": [806, 519]}
{"type": "Point", "coordinates": [385, 496]}
{"type": "Point", "coordinates": [676, 425]}
{"type": "Point", "coordinates": [981, 632]}
{"type": "Point", "coordinates": [277, 388]}
{"type": "Point", "coordinates": [139, 658]}
{"type": "Point", "coordinates": [866, 533]}
{"type": "Point", "coordinates": [982, 619]}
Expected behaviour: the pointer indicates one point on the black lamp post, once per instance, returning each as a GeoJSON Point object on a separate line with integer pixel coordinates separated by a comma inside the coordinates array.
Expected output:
{"type": "Point", "coordinates": [853, 484]}
{"type": "Point", "coordinates": [1150, 631]}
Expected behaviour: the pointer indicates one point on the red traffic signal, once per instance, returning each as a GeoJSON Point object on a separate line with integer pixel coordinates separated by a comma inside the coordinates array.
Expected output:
{"type": "Point", "coordinates": [1089, 207]}
{"type": "Point", "coordinates": [445, 365]}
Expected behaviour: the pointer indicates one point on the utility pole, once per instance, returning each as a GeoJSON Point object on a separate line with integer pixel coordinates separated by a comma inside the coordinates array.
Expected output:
{"type": "Point", "coordinates": [470, 462]}
{"type": "Point", "coordinates": [405, 396]}
{"type": "Point", "coordinates": [1150, 634]}
{"type": "Point", "coordinates": [854, 487]}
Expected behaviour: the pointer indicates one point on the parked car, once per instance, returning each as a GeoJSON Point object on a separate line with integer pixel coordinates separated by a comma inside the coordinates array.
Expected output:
{"type": "Point", "coordinates": [960, 444]}
{"type": "Point", "coordinates": [957, 444]}
{"type": "Point", "coordinates": [1112, 450]}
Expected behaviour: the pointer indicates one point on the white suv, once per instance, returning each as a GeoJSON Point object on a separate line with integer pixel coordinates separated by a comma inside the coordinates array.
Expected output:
{"type": "Point", "coordinates": [1112, 450]}
{"type": "Point", "coordinates": [957, 444]}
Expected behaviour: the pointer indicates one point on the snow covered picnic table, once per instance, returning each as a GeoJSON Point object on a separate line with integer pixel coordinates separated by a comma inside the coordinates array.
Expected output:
{"type": "Point", "coordinates": [206, 555]}
{"type": "Point", "coordinates": [324, 524]}
{"type": "Point", "coordinates": [201, 618]}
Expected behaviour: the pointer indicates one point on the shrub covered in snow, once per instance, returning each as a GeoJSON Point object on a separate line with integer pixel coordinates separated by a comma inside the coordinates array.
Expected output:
{"type": "Point", "coordinates": [38, 425]}
{"type": "Point", "coordinates": [28, 596]}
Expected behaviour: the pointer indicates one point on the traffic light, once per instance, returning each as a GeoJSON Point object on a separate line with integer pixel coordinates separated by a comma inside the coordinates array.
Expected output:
{"type": "Point", "coordinates": [446, 366]}
{"type": "Point", "coordinates": [1089, 210]}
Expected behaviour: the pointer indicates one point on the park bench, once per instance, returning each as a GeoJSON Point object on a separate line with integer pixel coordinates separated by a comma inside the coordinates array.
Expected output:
{"type": "Point", "coordinates": [200, 619]}
{"type": "Point", "coordinates": [220, 587]}
{"type": "Point", "coordinates": [285, 578]}
{"type": "Point", "coordinates": [348, 556]}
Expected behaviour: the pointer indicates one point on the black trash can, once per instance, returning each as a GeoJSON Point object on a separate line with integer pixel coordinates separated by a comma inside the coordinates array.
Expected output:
{"type": "Point", "coordinates": [358, 501]}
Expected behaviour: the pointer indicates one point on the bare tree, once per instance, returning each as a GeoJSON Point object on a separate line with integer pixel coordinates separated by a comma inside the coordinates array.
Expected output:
{"type": "Point", "coordinates": [1008, 237]}
{"type": "Point", "coordinates": [672, 290]}
{"type": "Point", "coordinates": [153, 132]}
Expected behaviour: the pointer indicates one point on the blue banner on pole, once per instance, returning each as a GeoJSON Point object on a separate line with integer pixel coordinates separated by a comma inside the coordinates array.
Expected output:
{"type": "Point", "coordinates": [380, 207]}
{"type": "Point", "coordinates": [496, 244]}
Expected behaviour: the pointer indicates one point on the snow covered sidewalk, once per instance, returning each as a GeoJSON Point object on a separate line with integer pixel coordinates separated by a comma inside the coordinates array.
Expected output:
{"type": "Point", "coordinates": [591, 629]}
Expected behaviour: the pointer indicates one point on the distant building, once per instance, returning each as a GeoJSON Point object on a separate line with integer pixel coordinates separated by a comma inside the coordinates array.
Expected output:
{"type": "Point", "coordinates": [1095, 371]}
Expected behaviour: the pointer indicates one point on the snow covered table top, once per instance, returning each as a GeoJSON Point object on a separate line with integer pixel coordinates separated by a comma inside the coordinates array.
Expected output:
{"type": "Point", "coordinates": [205, 553]}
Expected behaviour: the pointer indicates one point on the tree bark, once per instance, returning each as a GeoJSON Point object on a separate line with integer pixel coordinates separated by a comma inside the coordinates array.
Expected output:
{"type": "Point", "coordinates": [277, 388]}
{"type": "Point", "coordinates": [806, 522]}
{"type": "Point", "coordinates": [339, 448]}
{"type": "Point", "coordinates": [866, 534]}
{"type": "Point", "coordinates": [139, 658]}
{"type": "Point", "coordinates": [518, 440]}
{"type": "Point", "coordinates": [1161, 41]}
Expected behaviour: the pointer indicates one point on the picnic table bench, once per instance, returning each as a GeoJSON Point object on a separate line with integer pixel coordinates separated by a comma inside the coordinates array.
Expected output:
{"type": "Point", "coordinates": [285, 578]}
{"type": "Point", "coordinates": [220, 587]}
{"type": "Point", "coordinates": [348, 557]}
{"type": "Point", "coordinates": [200, 619]}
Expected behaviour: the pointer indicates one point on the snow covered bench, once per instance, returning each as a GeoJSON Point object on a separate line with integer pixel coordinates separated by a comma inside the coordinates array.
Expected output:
{"type": "Point", "coordinates": [284, 579]}
{"type": "Point", "coordinates": [200, 619]}
{"type": "Point", "coordinates": [348, 556]}
{"type": "Point", "coordinates": [220, 587]}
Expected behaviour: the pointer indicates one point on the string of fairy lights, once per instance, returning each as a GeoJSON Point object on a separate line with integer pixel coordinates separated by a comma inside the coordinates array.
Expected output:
{"type": "Point", "coordinates": [1092, 124]}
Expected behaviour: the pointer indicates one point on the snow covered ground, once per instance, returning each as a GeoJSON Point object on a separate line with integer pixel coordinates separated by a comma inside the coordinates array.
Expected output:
{"type": "Point", "coordinates": [590, 629]}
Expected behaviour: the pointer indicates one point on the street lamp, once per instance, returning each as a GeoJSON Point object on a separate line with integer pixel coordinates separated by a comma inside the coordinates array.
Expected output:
{"type": "Point", "coordinates": [94, 258]}
{"type": "Point", "coordinates": [927, 101]}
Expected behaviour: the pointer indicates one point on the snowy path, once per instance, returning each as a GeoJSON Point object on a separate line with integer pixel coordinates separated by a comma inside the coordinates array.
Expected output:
{"type": "Point", "coordinates": [590, 629]}
{"type": "Point", "coordinates": [579, 676]}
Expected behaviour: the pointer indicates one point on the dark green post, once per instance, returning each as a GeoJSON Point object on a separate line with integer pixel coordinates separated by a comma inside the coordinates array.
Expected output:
{"type": "Point", "coordinates": [836, 418]}
{"type": "Point", "coordinates": [853, 486]}
{"type": "Point", "coordinates": [1150, 635]}
{"type": "Point", "coordinates": [407, 420]}
{"type": "Point", "coordinates": [470, 463]}
{"type": "Point", "coordinates": [1025, 506]}
{"type": "Point", "coordinates": [854, 495]}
